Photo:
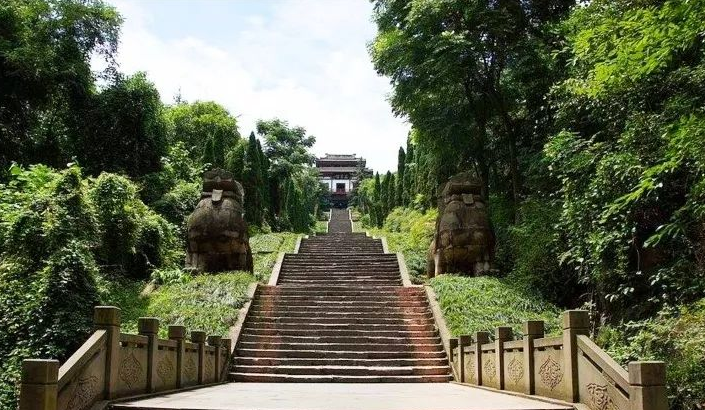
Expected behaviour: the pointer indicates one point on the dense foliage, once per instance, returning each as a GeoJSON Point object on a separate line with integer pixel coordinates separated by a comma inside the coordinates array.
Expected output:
{"type": "Point", "coordinates": [60, 234]}
{"type": "Point", "coordinates": [585, 122]}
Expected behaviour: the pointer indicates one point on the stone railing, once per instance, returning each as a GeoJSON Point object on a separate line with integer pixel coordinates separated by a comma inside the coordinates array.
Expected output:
{"type": "Point", "coordinates": [570, 367]}
{"type": "Point", "coordinates": [112, 365]}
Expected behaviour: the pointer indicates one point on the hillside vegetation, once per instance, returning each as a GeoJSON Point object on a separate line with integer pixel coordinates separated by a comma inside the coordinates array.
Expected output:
{"type": "Point", "coordinates": [584, 124]}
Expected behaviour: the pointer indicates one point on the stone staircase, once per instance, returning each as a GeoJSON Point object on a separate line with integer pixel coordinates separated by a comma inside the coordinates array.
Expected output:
{"type": "Point", "coordinates": [339, 313]}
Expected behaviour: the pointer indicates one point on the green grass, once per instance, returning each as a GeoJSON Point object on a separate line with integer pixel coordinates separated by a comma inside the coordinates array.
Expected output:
{"type": "Point", "coordinates": [208, 302]}
{"type": "Point", "coordinates": [321, 227]}
{"type": "Point", "coordinates": [477, 304]}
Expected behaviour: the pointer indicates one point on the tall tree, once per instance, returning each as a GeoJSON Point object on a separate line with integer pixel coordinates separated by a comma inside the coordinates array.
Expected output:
{"type": "Point", "coordinates": [252, 183]}
{"type": "Point", "coordinates": [124, 129]}
{"type": "Point", "coordinates": [197, 123]}
{"type": "Point", "coordinates": [287, 150]}
{"type": "Point", "coordinates": [391, 192]}
{"type": "Point", "coordinates": [377, 201]}
{"type": "Point", "coordinates": [399, 188]}
{"type": "Point", "coordinates": [45, 74]}
{"type": "Point", "coordinates": [469, 86]}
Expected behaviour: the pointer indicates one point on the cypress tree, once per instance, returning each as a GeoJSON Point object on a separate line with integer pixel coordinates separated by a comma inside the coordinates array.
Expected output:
{"type": "Point", "coordinates": [377, 201]}
{"type": "Point", "coordinates": [409, 174]}
{"type": "Point", "coordinates": [399, 188]}
{"type": "Point", "coordinates": [391, 194]}
{"type": "Point", "coordinates": [251, 181]}
{"type": "Point", "coordinates": [386, 189]}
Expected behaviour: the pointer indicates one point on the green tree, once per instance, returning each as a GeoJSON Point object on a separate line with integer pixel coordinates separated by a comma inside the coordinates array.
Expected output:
{"type": "Point", "coordinates": [124, 129]}
{"type": "Point", "coordinates": [391, 192]}
{"type": "Point", "coordinates": [46, 76]}
{"type": "Point", "coordinates": [399, 188]}
{"type": "Point", "coordinates": [197, 124]}
{"type": "Point", "coordinates": [252, 183]}
{"type": "Point", "coordinates": [286, 149]}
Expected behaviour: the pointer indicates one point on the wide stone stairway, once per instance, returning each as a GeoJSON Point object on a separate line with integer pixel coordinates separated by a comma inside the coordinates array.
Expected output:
{"type": "Point", "coordinates": [339, 313]}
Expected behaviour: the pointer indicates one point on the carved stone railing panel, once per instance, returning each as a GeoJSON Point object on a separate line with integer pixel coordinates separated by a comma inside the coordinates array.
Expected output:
{"type": "Point", "coordinates": [132, 365]}
{"type": "Point", "coordinates": [165, 365]}
{"type": "Point", "coordinates": [112, 365]}
{"type": "Point", "coordinates": [603, 384]}
{"type": "Point", "coordinates": [549, 372]}
{"type": "Point", "coordinates": [82, 377]}
{"type": "Point", "coordinates": [191, 365]}
{"type": "Point", "coordinates": [570, 367]}
{"type": "Point", "coordinates": [209, 372]}
{"type": "Point", "coordinates": [489, 366]}
{"type": "Point", "coordinates": [514, 366]}
{"type": "Point", "coordinates": [469, 366]}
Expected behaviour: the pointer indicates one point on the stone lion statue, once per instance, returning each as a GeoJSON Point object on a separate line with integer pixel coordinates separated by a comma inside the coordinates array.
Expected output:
{"type": "Point", "coordinates": [217, 231]}
{"type": "Point", "coordinates": [464, 240]}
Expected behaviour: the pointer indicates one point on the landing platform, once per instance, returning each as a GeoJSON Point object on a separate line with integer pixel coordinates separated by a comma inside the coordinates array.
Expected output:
{"type": "Point", "coordinates": [339, 396]}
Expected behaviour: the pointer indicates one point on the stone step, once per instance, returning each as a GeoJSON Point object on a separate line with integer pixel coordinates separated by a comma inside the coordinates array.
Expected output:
{"type": "Point", "coordinates": [337, 332]}
{"type": "Point", "coordinates": [280, 306]}
{"type": "Point", "coordinates": [340, 273]}
{"type": "Point", "coordinates": [280, 378]}
{"type": "Point", "coordinates": [250, 338]}
{"type": "Point", "coordinates": [339, 370]}
{"type": "Point", "coordinates": [284, 361]}
{"type": "Point", "coordinates": [336, 291]}
{"type": "Point", "coordinates": [251, 323]}
{"type": "Point", "coordinates": [331, 314]}
{"type": "Point", "coordinates": [335, 302]}
{"type": "Point", "coordinates": [351, 282]}
{"type": "Point", "coordinates": [340, 320]}
{"type": "Point", "coordinates": [343, 347]}
{"type": "Point", "coordinates": [339, 354]}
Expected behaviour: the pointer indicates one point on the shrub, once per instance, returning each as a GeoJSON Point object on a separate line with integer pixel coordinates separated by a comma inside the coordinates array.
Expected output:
{"type": "Point", "coordinates": [676, 336]}
{"type": "Point", "coordinates": [134, 239]}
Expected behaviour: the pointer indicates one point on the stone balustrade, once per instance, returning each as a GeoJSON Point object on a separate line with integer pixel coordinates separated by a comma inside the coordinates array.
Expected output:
{"type": "Point", "coordinates": [112, 365]}
{"type": "Point", "coordinates": [570, 368]}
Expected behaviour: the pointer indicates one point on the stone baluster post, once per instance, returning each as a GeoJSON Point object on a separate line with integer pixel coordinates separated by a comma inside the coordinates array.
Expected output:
{"type": "Point", "coordinates": [215, 342]}
{"type": "Point", "coordinates": [149, 326]}
{"type": "Point", "coordinates": [453, 344]}
{"type": "Point", "coordinates": [533, 329]}
{"type": "Point", "coordinates": [647, 386]}
{"type": "Point", "coordinates": [227, 344]}
{"type": "Point", "coordinates": [575, 322]}
{"type": "Point", "coordinates": [178, 333]}
{"type": "Point", "coordinates": [108, 318]}
{"type": "Point", "coordinates": [39, 389]}
{"type": "Point", "coordinates": [502, 334]}
{"type": "Point", "coordinates": [199, 337]}
{"type": "Point", "coordinates": [480, 339]}
{"type": "Point", "coordinates": [464, 341]}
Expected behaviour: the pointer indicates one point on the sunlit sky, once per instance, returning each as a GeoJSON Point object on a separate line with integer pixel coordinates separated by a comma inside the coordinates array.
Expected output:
{"type": "Point", "coordinates": [304, 61]}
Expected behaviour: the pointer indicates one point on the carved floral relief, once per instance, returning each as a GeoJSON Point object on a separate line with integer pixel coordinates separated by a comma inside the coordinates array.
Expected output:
{"type": "Point", "coordinates": [84, 393]}
{"type": "Point", "coordinates": [130, 370]}
{"type": "Point", "coordinates": [599, 398]}
{"type": "Point", "coordinates": [515, 370]}
{"type": "Point", "coordinates": [551, 373]}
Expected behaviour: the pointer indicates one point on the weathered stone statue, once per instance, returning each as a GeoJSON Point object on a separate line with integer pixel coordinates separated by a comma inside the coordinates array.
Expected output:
{"type": "Point", "coordinates": [217, 231]}
{"type": "Point", "coordinates": [464, 241]}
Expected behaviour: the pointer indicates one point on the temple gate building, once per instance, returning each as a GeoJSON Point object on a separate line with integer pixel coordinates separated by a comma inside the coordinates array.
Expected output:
{"type": "Point", "coordinates": [341, 173]}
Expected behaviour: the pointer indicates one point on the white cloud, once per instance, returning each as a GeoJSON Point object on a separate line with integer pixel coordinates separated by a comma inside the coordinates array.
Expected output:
{"type": "Point", "coordinates": [305, 62]}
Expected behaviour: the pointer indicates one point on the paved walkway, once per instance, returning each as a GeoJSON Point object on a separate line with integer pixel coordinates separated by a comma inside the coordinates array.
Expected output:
{"type": "Point", "coordinates": [339, 396]}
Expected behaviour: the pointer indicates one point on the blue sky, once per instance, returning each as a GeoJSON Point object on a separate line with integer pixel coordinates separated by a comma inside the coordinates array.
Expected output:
{"type": "Point", "coordinates": [304, 61]}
